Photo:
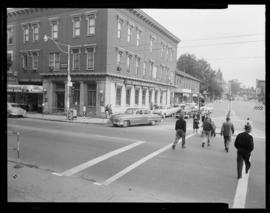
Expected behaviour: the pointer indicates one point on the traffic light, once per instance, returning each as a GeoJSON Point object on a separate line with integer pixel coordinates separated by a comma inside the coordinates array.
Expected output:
{"type": "Point", "coordinates": [202, 102]}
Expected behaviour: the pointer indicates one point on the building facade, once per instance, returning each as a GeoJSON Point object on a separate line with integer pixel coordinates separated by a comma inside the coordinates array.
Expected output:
{"type": "Point", "coordinates": [187, 88]}
{"type": "Point", "coordinates": [118, 56]}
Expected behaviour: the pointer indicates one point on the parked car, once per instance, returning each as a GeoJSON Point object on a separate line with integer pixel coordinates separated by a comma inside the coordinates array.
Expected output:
{"type": "Point", "coordinates": [135, 116]}
{"type": "Point", "coordinates": [207, 108]}
{"type": "Point", "coordinates": [14, 110]}
{"type": "Point", "coordinates": [187, 111]}
{"type": "Point", "coordinates": [165, 111]}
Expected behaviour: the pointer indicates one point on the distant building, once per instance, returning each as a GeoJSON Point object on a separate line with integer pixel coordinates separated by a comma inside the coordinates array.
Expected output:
{"type": "Point", "coordinates": [187, 88]}
{"type": "Point", "coordinates": [260, 87]}
{"type": "Point", "coordinates": [260, 90]}
{"type": "Point", "coordinates": [121, 57]}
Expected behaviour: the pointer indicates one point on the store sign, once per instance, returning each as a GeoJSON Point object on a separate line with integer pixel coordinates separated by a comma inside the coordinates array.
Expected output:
{"type": "Point", "coordinates": [183, 90]}
{"type": "Point", "coordinates": [14, 88]}
{"type": "Point", "coordinates": [25, 88]}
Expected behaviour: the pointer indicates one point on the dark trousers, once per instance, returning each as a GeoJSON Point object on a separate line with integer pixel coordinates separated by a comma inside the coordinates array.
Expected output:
{"type": "Point", "coordinates": [180, 134]}
{"type": "Point", "coordinates": [240, 158]}
{"type": "Point", "coordinates": [227, 141]}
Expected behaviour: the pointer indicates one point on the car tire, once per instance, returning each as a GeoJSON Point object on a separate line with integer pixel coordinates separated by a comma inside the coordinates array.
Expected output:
{"type": "Point", "coordinates": [126, 123]}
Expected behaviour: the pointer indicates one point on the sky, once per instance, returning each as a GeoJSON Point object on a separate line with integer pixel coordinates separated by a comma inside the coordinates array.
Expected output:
{"type": "Point", "coordinates": [232, 39]}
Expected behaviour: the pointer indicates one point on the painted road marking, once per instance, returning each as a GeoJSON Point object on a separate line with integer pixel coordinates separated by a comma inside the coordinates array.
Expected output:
{"type": "Point", "coordinates": [90, 163]}
{"type": "Point", "coordinates": [241, 190]}
{"type": "Point", "coordinates": [136, 164]}
{"type": "Point", "coordinates": [69, 133]}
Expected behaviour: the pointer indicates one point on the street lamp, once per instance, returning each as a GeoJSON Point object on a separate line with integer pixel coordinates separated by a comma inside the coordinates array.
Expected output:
{"type": "Point", "coordinates": [69, 83]}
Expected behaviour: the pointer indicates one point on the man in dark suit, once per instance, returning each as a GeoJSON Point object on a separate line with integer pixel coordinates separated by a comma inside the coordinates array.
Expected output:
{"type": "Point", "coordinates": [244, 145]}
{"type": "Point", "coordinates": [180, 128]}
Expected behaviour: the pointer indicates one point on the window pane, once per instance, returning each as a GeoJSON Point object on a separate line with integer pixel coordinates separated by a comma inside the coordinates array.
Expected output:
{"type": "Point", "coordinates": [128, 96]}
{"type": "Point", "coordinates": [118, 95]}
{"type": "Point", "coordinates": [137, 96]}
{"type": "Point", "coordinates": [143, 97]}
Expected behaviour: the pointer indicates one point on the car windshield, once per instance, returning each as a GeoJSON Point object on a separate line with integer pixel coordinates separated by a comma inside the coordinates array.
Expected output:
{"type": "Point", "coordinates": [129, 111]}
{"type": "Point", "coordinates": [15, 105]}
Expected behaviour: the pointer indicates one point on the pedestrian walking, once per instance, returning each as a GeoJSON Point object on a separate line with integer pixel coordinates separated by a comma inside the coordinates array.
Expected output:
{"type": "Point", "coordinates": [227, 130]}
{"type": "Point", "coordinates": [244, 145]}
{"type": "Point", "coordinates": [195, 123]}
{"type": "Point", "coordinates": [213, 131]}
{"type": "Point", "coordinates": [207, 128]}
{"type": "Point", "coordinates": [180, 128]}
{"type": "Point", "coordinates": [108, 111]}
{"type": "Point", "coordinates": [249, 122]}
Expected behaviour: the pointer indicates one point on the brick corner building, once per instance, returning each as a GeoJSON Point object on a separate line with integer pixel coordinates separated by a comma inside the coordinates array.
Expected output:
{"type": "Point", "coordinates": [118, 56]}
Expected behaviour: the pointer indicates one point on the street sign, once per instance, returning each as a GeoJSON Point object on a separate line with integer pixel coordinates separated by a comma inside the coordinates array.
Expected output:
{"type": "Point", "coordinates": [69, 84]}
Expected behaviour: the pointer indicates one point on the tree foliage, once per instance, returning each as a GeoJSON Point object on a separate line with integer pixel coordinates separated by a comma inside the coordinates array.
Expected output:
{"type": "Point", "coordinates": [201, 69]}
{"type": "Point", "coordinates": [235, 86]}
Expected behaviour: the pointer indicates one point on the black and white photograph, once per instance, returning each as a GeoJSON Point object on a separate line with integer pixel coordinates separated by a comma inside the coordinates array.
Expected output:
{"type": "Point", "coordinates": [136, 105]}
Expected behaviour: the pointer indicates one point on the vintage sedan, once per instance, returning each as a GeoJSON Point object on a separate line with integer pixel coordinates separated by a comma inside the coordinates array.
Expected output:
{"type": "Point", "coordinates": [135, 116]}
{"type": "Point", "coordinates": [14, 110]}
{"type": "Point", "coordinates": [165, 111]}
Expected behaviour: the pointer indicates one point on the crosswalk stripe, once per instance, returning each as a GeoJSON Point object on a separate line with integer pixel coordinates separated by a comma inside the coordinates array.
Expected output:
{"type": "Point", "coordinates": [90, 163]}
{"type": "Point", "coordinates": [137, 163]}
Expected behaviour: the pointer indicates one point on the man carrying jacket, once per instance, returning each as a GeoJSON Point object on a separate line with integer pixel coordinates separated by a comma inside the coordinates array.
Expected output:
{"type": "Point", "coordinates": [244, 145]}
{"type": "Point", "coordinates": [207, 128]}
{"type": "Point", "coordinates": [227, 131]}
{"type": "Point", "coordinates": [180, 128]}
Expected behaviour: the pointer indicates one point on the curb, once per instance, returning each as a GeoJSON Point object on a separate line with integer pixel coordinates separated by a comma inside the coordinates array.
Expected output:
{"type": "Point", "coordinates": [68, 121]}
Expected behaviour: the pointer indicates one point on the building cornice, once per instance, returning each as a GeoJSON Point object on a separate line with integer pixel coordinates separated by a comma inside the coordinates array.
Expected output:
{"type": "Point", "coordinates": [106, 75]}
{"type": "Point", "coordinates": [181, 73]}
{"type": "Point", "coordinates": [21, 11]}
{"type": "Point", "coordinates": [142, 15]}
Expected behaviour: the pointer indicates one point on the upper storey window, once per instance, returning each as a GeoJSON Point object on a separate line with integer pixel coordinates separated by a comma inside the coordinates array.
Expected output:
{"type": "Point", "coordinates": [35, 28]}
{"type": "Point", "coordinates": [120, 22]}
{"type": "Point", "coordinates": [25, 33]}
{"type": "Point", "coordinates": [91, 23]}
{"type": "Point", "coordinates": [76, 21]}
{"type": "Point", "coordinates": [54, 29]}
{"type": "Point", "coordinates": [138, 36]}
{"type": "Point", "coordinates": [152, 39]}
{"type": "Point", "coordinates": [129, 34]}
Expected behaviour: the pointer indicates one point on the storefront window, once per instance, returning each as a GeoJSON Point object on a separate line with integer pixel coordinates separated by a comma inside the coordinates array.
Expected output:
{"type": "Point", "coordinates": [128, 96]}
{"type": "Point", "coordinates": [143, 97]}
{"type": "Point", "coordinates": [118, 96]}
{"type": "Point", "coordinates": [137, 91]}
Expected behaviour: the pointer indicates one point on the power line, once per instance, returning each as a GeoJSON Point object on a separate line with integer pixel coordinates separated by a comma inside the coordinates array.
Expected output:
{"type": "Point", "coordinates": [232, 58]}
{"type": "Point", "coordinates": [220, 44]}
{"type": "Point", "coordinates": [221, 37]}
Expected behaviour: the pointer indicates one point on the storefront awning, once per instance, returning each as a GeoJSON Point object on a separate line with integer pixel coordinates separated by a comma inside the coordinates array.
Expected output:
{"type": "Point", "coordinates": [183, 90]}
{"type": "Point", "coordinates": [25, 88]}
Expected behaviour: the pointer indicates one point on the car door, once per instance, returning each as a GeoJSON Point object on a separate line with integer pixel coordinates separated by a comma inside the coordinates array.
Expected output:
{"type": "Point", "coordinates": [147, 116]}
{"type": "Point", "coordinates": [137, 116]}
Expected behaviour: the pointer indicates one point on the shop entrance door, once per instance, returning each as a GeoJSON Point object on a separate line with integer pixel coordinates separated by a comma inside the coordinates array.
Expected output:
{"type": "Point", "coordinates": [60, 101]}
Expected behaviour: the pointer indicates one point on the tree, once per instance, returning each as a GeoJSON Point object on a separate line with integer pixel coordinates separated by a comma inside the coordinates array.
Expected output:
{"type": "Point", "coordinates": [234, 86]}
{"type": "Point", "coordinates": [201, 69]}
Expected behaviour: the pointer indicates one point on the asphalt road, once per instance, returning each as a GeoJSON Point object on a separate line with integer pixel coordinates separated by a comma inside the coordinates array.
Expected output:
{"type": "Point", "coordinates": [140, 158]}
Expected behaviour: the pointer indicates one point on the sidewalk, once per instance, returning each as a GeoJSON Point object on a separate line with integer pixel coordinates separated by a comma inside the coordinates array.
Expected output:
{"type": "Point", "coordinates": [34, 185]}
{"type": "Point", "coordinates": [52, 117]}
